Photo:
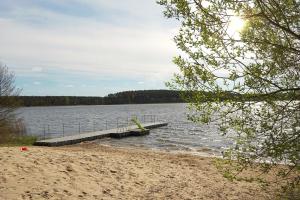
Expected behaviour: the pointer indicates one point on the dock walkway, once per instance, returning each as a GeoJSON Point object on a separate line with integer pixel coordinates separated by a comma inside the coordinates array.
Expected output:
{"type": "Point", "coordinates": [117, 132]}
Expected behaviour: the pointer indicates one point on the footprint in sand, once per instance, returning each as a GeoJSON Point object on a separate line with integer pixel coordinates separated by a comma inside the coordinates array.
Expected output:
{"type": "Point", "coordinates": [69, 168]}
{"type": "Point", "coordinates": [3, 179]}
{"type": "Point", "coordinates": [67, 192]}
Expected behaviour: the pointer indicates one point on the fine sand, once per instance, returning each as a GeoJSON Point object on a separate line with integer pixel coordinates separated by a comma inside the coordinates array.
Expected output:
{"type": "Point", "coordinates": [89, 171]}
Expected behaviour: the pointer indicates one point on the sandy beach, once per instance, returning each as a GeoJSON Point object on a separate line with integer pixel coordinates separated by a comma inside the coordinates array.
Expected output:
{"type": "Point", "coordinates": [100, 172]}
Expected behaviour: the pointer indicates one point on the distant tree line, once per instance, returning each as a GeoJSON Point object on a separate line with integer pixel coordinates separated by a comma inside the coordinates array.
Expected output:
{"type": "Point", "coordinates": [141, 97]}
{"type": "Point", "coordinates": [127, 97]}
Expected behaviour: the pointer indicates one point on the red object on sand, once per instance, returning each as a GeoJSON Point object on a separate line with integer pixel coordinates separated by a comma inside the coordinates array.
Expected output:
{"type": "Point", "coordinates": [24, 149]}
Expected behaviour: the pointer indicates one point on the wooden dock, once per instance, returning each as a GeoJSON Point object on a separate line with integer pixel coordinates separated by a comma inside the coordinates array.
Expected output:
{"type": "Point", "coordinates": [115, 133]}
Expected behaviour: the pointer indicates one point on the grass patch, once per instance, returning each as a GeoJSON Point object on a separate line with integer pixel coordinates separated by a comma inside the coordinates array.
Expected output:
{"type": "Point", "coordinates": [20, 141]}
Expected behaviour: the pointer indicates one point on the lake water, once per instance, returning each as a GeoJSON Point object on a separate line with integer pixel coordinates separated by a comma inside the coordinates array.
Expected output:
{"type": "Point", "coordinates": [179, 135]}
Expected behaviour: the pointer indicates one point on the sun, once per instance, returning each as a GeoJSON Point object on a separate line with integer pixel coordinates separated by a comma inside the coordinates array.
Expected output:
{"type": "Point", "coordinates": [236, 24]}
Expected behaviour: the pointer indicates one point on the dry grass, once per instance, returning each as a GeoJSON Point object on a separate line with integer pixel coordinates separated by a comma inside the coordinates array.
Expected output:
{"type": "Point", "coordinates": [13, 133]}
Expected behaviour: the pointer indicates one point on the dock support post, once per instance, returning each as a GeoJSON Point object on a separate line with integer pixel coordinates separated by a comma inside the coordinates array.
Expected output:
{"type": "Point", "coordinates": [79, 128]}
{"type": "Point", "coordinates": [63, 130]}
{"type": "Point", "coordinates": [44, 132]}
{"type": "Point", "coordinates": [118, 124]}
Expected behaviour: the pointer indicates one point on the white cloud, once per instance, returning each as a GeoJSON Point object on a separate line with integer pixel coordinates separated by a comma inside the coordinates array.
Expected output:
{"type": "Point", "coordinates": [37, 69]}
{"type": "Point", "coordinates": [36, 83]}
{"type": "Point", "coordinates": [88, 47]}
{"type": "Point", "coordinates": [39, 40]}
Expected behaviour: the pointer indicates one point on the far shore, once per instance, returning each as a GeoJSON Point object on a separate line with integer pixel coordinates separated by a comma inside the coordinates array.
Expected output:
{"type": "Point", "coordinates": [90, 171]}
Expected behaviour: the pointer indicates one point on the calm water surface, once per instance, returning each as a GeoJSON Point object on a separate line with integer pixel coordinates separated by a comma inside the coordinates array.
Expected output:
{"type": "Point", "coordinates": [179, 135]}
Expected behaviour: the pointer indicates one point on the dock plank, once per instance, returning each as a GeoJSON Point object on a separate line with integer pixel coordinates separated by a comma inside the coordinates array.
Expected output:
{"type": "Point", "coordinates": [73, 139]}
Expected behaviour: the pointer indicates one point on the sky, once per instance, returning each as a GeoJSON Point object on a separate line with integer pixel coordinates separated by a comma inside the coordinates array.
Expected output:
{"type": "Point", "coordinates": [86, 47]}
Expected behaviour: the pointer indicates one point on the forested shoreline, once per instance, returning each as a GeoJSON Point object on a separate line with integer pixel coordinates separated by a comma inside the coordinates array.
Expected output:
{"type": "Point", "coordinates": [143, 97]}
{"type": "Point", "coordinates": [127, 97]}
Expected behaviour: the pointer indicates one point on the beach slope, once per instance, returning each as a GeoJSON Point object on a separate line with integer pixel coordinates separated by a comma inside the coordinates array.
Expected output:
{"type": "Point", "coordinates": [100, 172]}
